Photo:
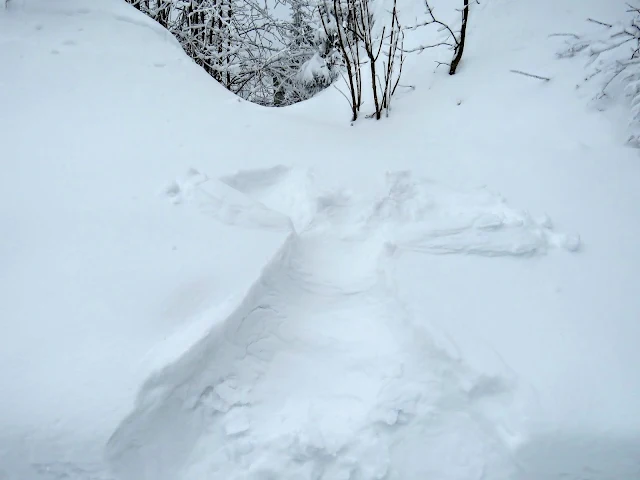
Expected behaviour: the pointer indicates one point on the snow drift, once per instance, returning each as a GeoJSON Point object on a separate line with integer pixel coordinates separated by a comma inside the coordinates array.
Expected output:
{"type": "Point", "coordinates": [320, 372]}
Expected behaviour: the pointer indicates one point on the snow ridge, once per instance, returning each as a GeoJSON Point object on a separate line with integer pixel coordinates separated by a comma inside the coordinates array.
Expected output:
{"type": "Point", "coordinates": [320, 372]}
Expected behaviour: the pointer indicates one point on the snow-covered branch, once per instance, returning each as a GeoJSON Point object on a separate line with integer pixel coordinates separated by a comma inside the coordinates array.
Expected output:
{"type": "Point", "coordinates": [613, 56]}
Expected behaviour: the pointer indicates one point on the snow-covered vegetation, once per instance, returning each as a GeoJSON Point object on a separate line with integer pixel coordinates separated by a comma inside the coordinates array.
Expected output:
{"type": "Point", "coordinates": [613, 53]}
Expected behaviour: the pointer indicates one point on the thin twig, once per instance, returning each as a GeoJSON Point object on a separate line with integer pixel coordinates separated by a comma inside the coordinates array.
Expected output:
{"type": "Point", "coordinates": [577, 37]}
{"type": "Point", "coordinates": [343, 94]}
{"type": "Point", "coordinates": [422, 48]}
{"type": "Point", "coordinates": [608, 25]}
{"type": "Point", "coordinates": [546, 79]}
{"type": "Point", "coordinates": [619, 69]}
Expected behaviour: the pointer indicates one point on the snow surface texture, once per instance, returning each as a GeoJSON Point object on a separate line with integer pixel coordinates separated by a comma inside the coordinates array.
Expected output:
{"type": "Point", "coordinates": [320, 373]}
{"type": "Point", "coordinates": [103, 282]}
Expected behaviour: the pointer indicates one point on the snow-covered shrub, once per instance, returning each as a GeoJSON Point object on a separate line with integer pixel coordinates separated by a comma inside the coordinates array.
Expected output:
{"type": "Point", "coordinates": [613, 52]}
{"type": "Point", "coordinates": [306, 70]}
{"type": "Point", "coordinates": [358, 38]}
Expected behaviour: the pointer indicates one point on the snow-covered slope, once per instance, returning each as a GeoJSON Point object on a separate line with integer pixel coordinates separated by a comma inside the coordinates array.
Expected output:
{"type": "Point", "coordinates": [196, 287]}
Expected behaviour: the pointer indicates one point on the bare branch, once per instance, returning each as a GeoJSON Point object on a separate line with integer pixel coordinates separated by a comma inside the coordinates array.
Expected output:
{"type": "Point", "coordinates": [608, 25]}
{"type": "Point", "coordinates": [519, 72]}
{"type": "Point", "coordinates": [455, 40]}
{"type": "Point", "coordinates": [577, 37]}
{"type": "Point", "coordinates": [422, 48]}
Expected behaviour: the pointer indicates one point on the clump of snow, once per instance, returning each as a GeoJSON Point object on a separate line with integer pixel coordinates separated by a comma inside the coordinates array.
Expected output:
{"type": "Point", "coordinates": [314, 69]}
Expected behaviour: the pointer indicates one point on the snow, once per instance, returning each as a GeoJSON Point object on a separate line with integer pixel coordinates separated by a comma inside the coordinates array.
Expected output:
{"type": "Point", "coordinates": [269, 379]}
{"type": "Point", "coordinates": [197, 287]}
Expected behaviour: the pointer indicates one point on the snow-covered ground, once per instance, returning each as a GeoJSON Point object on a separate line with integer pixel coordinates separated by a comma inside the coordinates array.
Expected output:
{"type": "Point", "coordinates": [196, 287]}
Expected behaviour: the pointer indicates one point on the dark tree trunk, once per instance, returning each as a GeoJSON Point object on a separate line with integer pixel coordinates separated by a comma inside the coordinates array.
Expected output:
{"type": "Point", "coordinates": [278, 97]}
{"type": "Point", "coordinates": [463, 35]}
{"type": "Point", "coordinates": [228, 33]}
{"type": "Point", "coordinates": [163, 14]}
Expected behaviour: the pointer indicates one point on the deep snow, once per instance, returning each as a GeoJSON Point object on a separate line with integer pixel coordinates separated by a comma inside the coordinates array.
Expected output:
{"type": "Point", "coordinates": [319, 373]}
{"type": "Point", "coordinates": [194, 284]}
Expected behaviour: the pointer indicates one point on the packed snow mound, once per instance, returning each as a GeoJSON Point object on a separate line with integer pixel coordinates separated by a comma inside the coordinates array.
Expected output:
{"type": "Point", "coordinates": [321, 372]}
